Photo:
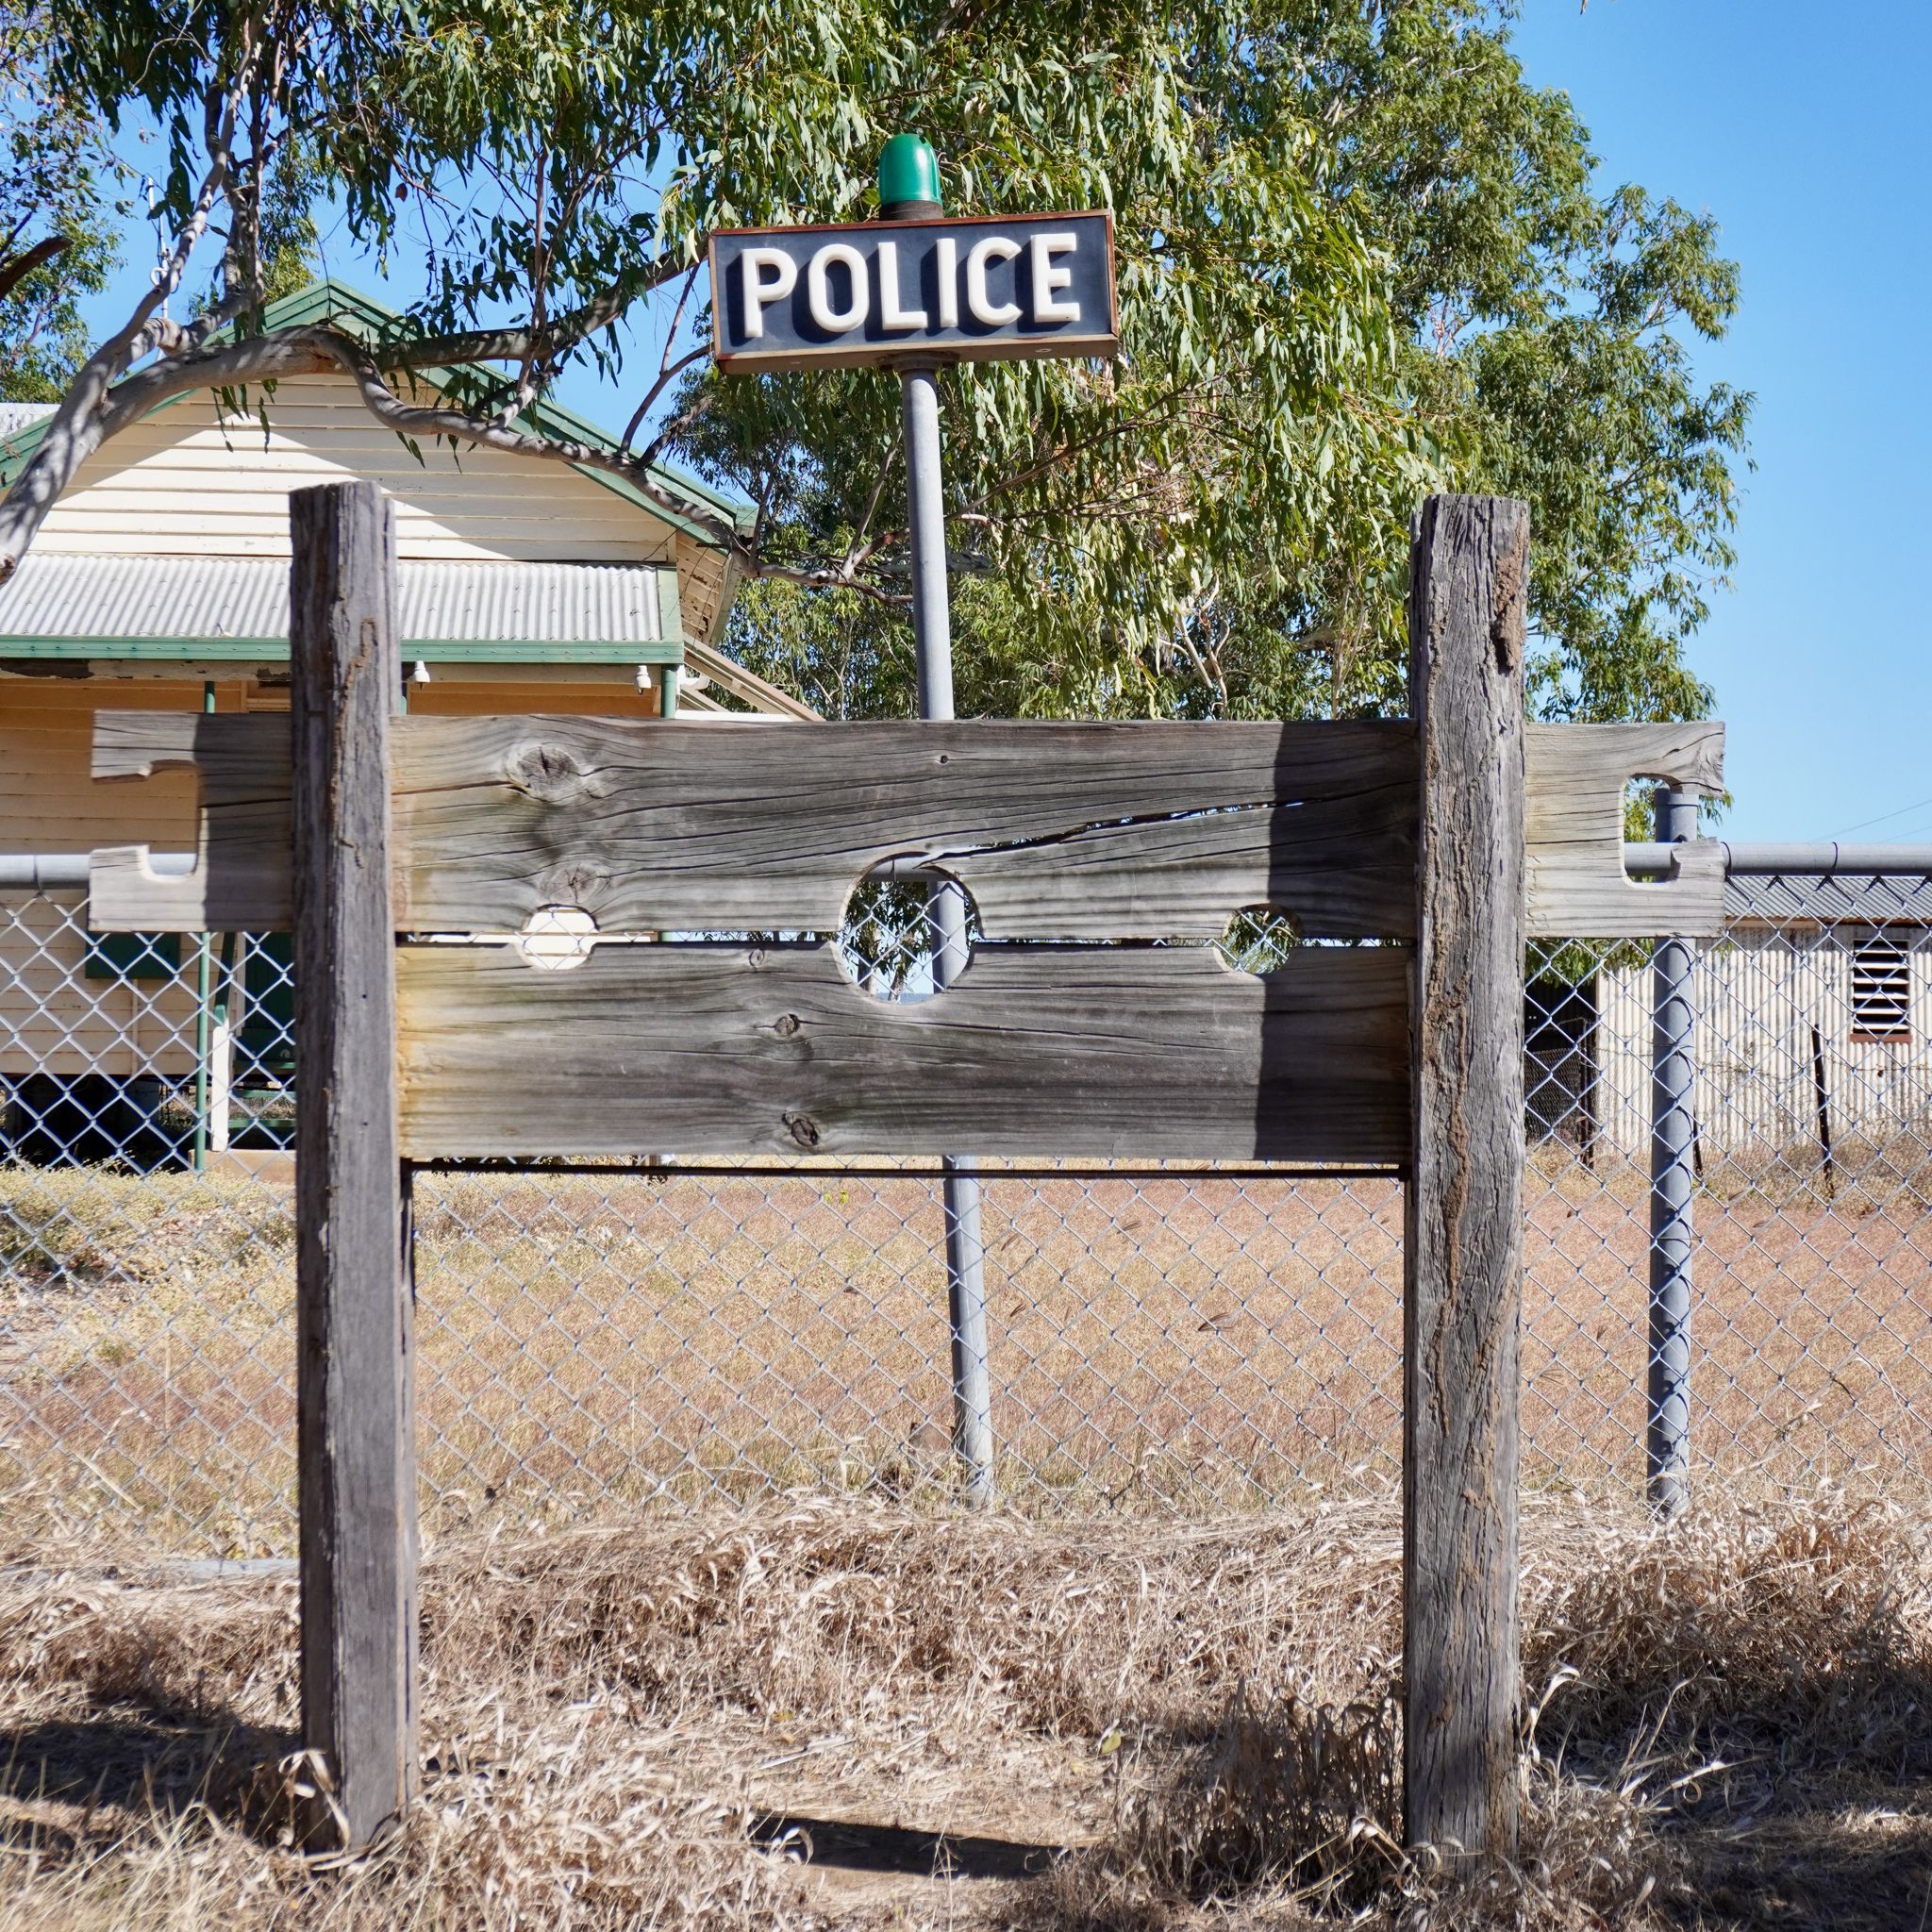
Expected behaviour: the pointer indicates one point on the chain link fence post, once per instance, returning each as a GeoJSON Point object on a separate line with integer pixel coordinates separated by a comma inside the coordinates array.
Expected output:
{"type": "Point", "coordinates": [965, 1249]}
{"type": "Point", "coordinates": [1673, 1184]}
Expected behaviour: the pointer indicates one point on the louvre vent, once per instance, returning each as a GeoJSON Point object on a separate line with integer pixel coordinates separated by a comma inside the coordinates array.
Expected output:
{"type": "Point", "coordinates": [1881, 990]}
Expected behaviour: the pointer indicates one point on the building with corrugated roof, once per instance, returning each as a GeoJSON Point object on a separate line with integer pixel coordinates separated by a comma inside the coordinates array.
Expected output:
{"type": "Point", "coordinates": [159, 580]}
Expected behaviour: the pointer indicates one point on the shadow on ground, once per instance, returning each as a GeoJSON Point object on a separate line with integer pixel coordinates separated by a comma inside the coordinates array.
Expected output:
{"type": "Point", "coordinates": [132, 1759]}
{"type": "Point", "coordinates": [890, 1848]}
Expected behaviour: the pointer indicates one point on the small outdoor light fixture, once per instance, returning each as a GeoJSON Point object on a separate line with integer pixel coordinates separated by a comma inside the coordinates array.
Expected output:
{"type": "Point", "coordinates": [908, 179]}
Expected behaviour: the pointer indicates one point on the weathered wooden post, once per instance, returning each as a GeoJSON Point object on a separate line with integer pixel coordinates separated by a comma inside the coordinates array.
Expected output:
{"type": "Point", "coordinates": [1464, 1253]}
{"type": "Point", "coordinates": [355, 1361]}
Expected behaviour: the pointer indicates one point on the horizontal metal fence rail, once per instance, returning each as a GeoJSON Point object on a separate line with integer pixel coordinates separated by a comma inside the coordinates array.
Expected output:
{"type": "Point", "coordinates": [1822, 859]}
{"type": "Point", "coordinates": [54, 872]}
{"type": "Point", "coordinates": [597, 1335]}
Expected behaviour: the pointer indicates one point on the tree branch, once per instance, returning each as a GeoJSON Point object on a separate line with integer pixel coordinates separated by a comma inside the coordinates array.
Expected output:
{"type": "Point", "coordinates": [15, 272]}
{"type": "Point", "coordinates": [77, 428]}
{"type": "Point", "coordinates": [556, 338]}
{"type": "Point", "coordinates": [72, 436]}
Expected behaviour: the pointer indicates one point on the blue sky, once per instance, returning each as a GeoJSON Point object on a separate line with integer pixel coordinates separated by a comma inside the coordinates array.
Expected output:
{"type": "Point", "coordinates": [1799, 127]}
{"type": "Point", "coordinates": [1802, 128]}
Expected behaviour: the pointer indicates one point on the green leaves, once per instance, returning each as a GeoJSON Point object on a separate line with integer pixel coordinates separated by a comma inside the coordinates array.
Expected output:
{"type": "Point", "coordinates": [56, 240]}
{"type": "Point", "coordinates": [1250, 435]}
{"type": "Point", "coordinates": [1359, 259]}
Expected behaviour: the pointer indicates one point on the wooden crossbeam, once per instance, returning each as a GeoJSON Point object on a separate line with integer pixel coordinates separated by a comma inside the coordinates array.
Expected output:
{"type": "Point", "coordinates": [1060, 831]}
{"type": "Point", "coordinates": [1035, 1050]}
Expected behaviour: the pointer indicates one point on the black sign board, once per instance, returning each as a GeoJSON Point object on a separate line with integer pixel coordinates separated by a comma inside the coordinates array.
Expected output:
{"type": "Point", "coordinates": [980, 288]}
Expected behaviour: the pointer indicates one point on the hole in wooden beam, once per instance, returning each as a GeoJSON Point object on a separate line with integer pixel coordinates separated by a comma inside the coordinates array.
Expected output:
{"type": "Point", "coordinates": [1258, 939]}
{"type": "Point", "coordinates": [904, 940]}
{"type": "Point", "coordinates": [558, 939]}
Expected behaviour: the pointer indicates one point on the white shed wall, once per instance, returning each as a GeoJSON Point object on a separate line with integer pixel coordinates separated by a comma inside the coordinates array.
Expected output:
{"type": "Point", "coordinates": [1758, 996]}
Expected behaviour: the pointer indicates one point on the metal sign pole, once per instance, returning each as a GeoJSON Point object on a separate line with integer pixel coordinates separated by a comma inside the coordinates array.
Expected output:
{"type": "Point", "coordinates": [932, 629]}
{"type": "Point", "coordinates": [914, 290]}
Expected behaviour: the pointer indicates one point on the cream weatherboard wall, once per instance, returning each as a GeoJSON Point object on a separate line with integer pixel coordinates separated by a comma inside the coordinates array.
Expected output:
{"type": "Point", "coordinates": [53, 1018]}
{"type": "Point", "coordinates": [192, 479]}
{"type": "Point", "coordinates": [48, 800]}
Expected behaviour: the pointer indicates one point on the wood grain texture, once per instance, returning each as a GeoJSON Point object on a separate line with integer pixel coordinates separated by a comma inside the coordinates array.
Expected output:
{"type": "Point", "coordinates": [1576, 884]}
{"type": "Point", "coordinates": [354, 1349]}
{"type": "Point", "coordinates": [497, 816]}
{"type": "Point", "coordinates": [1034, 1050]}
{"type": "Point", "coordinates": [1462, 1258]}
{"type": "Point", "coordinates": [240, 881]}
{"type": "Point", "coordinates": [739, 825]}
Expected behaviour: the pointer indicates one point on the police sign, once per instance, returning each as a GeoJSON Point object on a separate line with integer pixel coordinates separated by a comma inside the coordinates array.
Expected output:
{"type": "Point", "coordinates": [975, 290]}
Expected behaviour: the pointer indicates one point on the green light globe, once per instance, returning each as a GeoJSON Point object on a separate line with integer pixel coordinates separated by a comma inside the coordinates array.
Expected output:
{"type": "Point", "coordinates": [909, 179]}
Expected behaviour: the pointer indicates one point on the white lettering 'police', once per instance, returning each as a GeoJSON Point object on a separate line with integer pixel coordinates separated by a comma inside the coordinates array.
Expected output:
{"type": "Point", "coordinates": [818, 288]}
{"type": "Point", "coordinates": [892, 314]}
{"type": "Point", "coordinates": [1047, 278]}
{"type": "Point", "coordinates": [759, 292]}
{"type": "Point", "coordinates": [979, 303]}
{"type": "Point", "coordinates": [949, 282]}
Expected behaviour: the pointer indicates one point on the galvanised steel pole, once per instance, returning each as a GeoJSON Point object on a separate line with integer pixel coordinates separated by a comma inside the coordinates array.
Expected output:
{"type": "Point", "coordinates": [1673, 1181]}
{"type": "Point", "coordinates": [203, 1031]}
{"type": "Point", "coordinates": [909, 186]}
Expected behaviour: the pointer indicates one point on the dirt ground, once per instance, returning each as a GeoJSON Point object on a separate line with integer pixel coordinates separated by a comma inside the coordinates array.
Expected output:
{"type": "Point", "coordinates": [1158, 1344]}
{"type": "Point", "coordinates": [845, 1714]}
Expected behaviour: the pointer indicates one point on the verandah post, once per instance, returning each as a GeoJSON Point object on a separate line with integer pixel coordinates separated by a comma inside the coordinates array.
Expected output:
{"type": "Point", "coordinates": [354, 1358]}
{"type": "Point", "coordinates": [1463, 1247]}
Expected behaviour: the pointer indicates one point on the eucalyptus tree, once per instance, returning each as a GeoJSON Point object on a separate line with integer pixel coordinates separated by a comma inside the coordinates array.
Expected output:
{"type": "Point", "coordinates": [57, 216]}
{"type": "Point", "coordinates": [558, 167]}
{"type": "Point", "coordinates": [1357, 258]}
{"type": "Point", "coordinates": [1541, 323]}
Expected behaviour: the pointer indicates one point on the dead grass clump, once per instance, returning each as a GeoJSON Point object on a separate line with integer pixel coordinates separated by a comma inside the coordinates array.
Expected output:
{"type": "Point", "coordinates": [554, 1838]}
{"type": "Point", "coordinates": [1202, 1722]}
{"type": "Point", "coordinates": [1797, 1631]}
{"type": "Point", "coordinates": [150, 1769]}
{"type": "Point", "coordinates": [1292, 1817]}
{"type": "Point", "coordinates": [1285, 1795]}
{"type": "Point", "coordinates": [848, 1610]}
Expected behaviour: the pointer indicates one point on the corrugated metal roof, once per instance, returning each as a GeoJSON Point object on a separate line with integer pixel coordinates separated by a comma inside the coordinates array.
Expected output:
{"type": "Point", "coordinates": [196, 599]}
{"type": "Point", "coordinates": [1840, 899]}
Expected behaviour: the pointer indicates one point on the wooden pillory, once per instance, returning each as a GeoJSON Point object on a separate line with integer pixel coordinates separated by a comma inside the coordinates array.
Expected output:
{"type": "Point", "coordinates": [1453, 835]}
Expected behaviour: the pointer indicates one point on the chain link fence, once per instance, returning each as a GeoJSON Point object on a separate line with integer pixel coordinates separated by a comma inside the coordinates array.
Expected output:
{"type": "Point", "coordinates": [596, 1337]}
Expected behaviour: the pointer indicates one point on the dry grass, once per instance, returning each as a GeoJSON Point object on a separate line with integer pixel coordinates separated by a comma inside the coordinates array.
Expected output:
{"type": "Point", "coordinates": [1156, 1345]}
{"type": "Point", "coordinates": [1185, 1726]}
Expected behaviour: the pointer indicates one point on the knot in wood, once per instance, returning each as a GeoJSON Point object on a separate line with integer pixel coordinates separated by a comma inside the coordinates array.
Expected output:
{"type": "Point", "coordinates": [549, 772]}
{"type": "Point", "coordinates": [571, 885]}
{"type": "Point", "coordinates": [784, 1026]}
{"type": "Point", "coordinates": [803, 1129]}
